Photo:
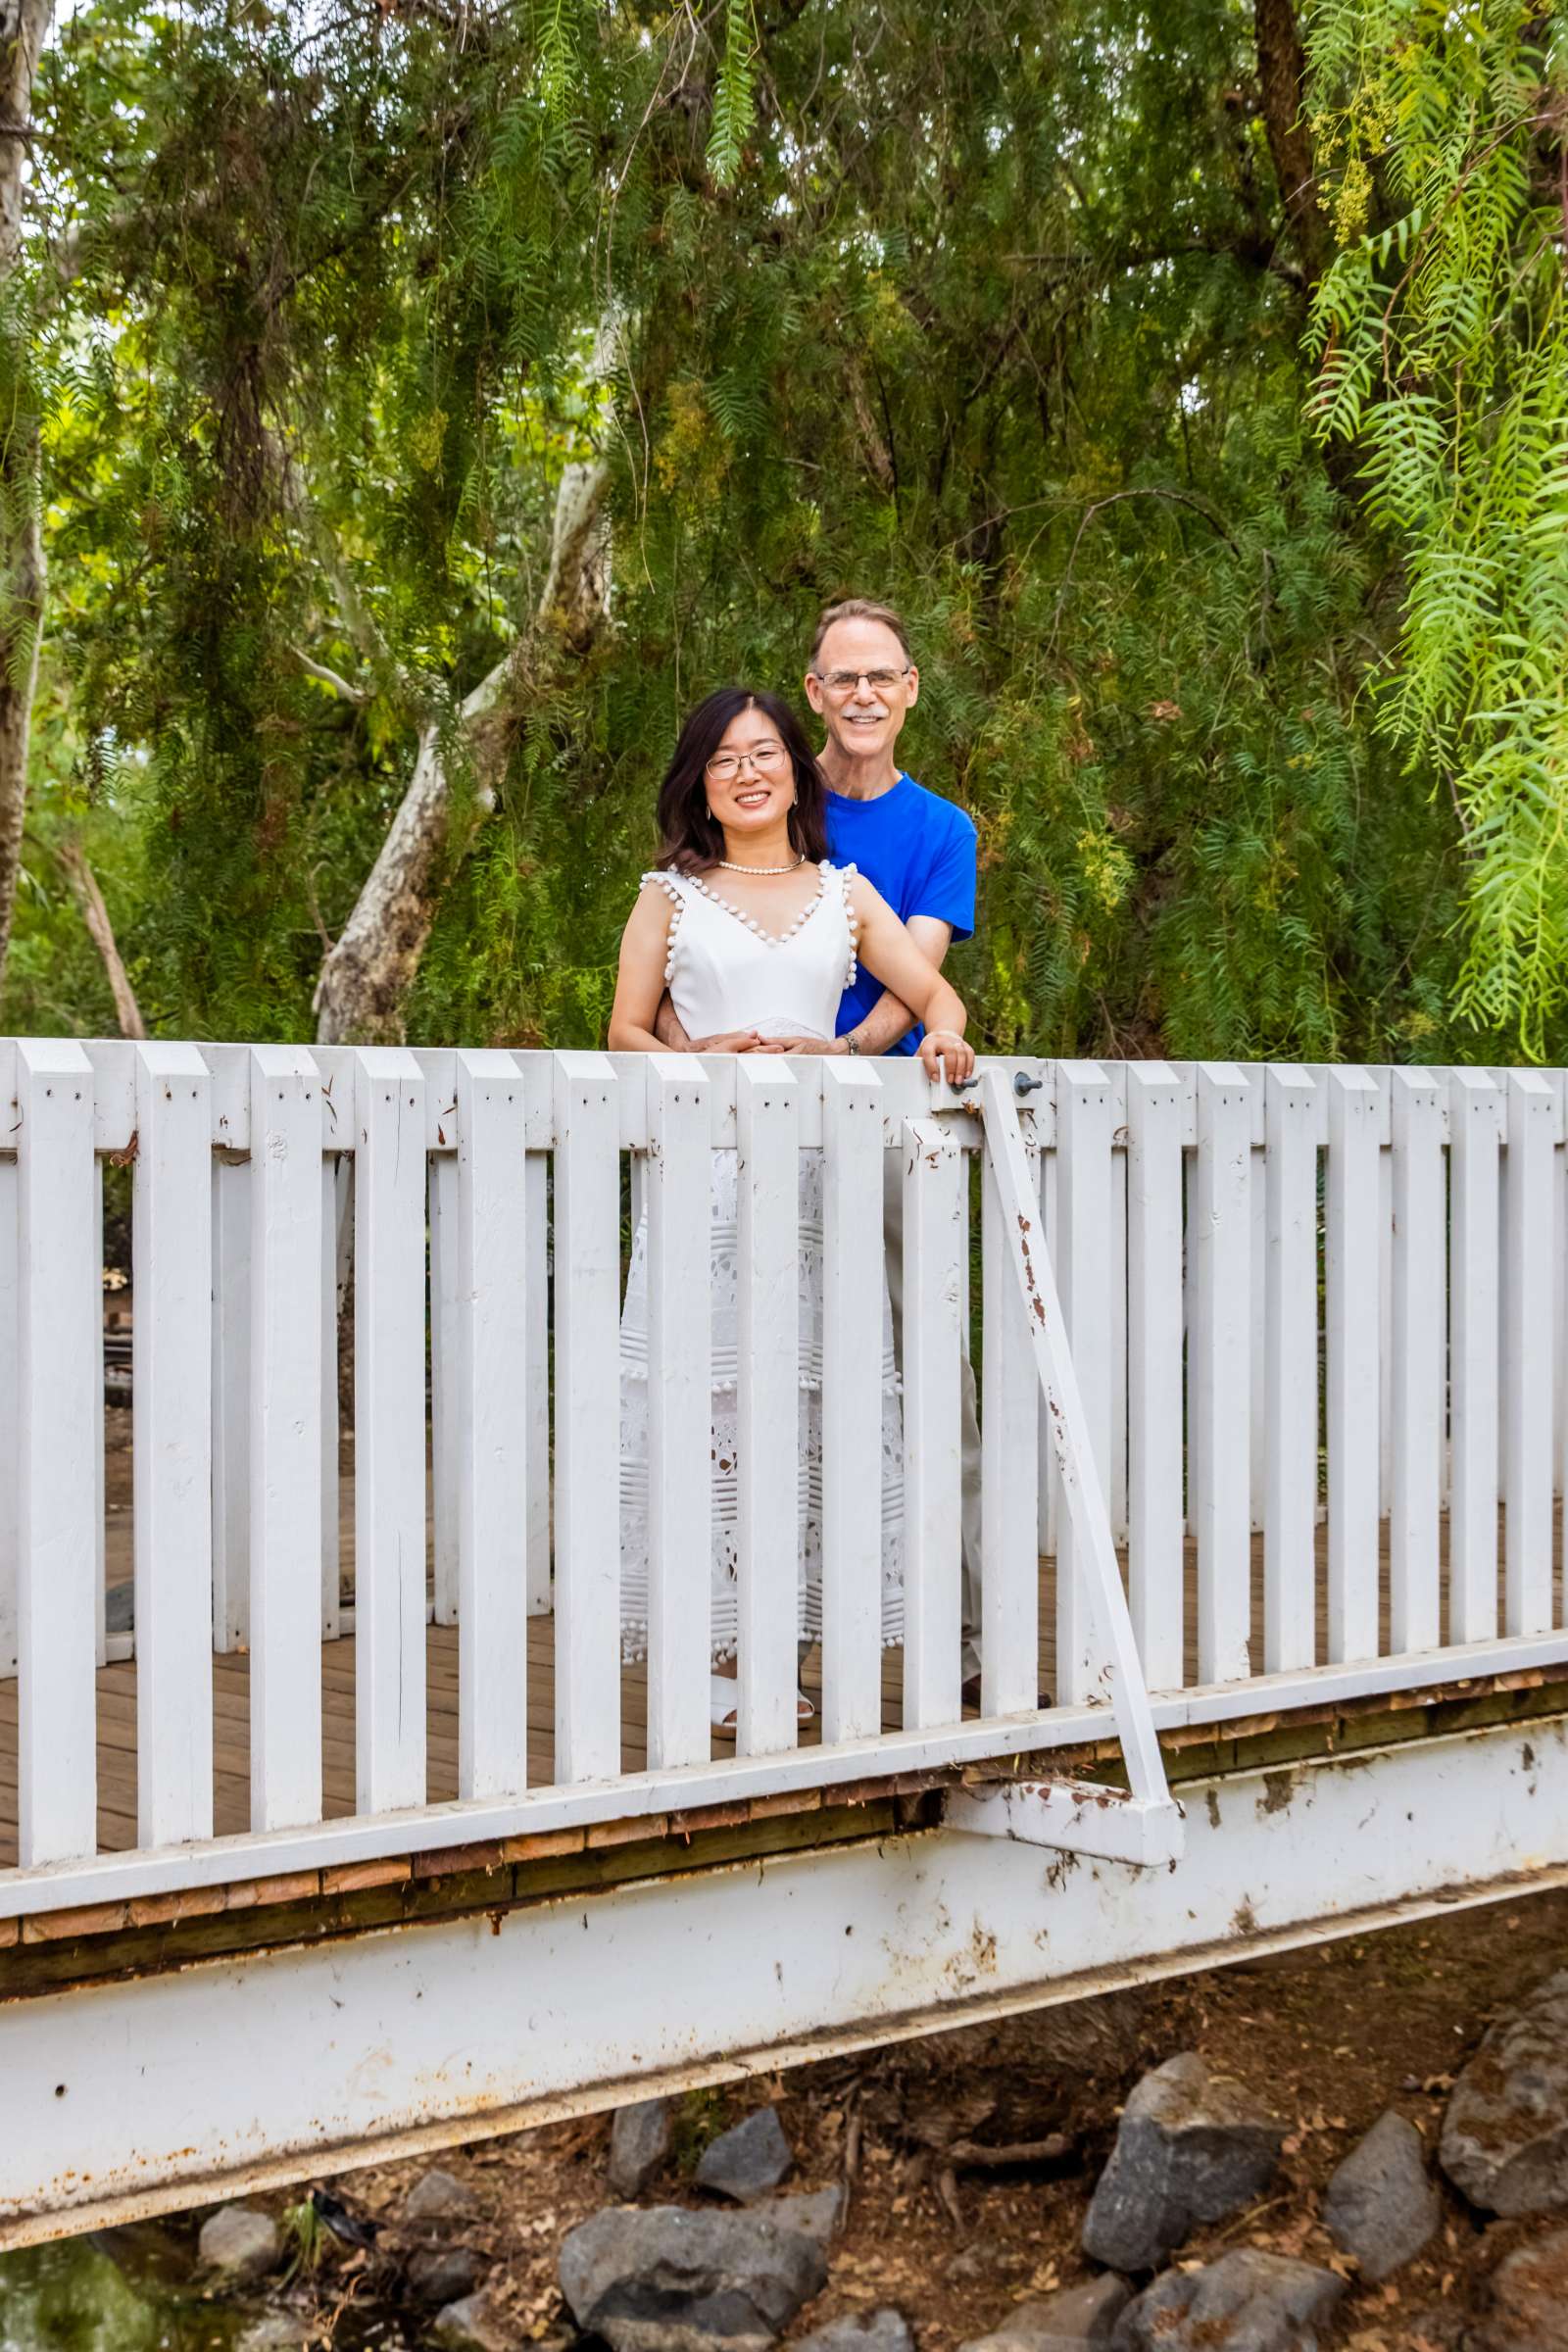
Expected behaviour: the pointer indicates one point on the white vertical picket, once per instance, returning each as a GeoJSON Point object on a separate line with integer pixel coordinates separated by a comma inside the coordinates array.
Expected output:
{"type": "Point", "coordinates": [1528, 1196]}
{"type": "Point", "coordinates": [172, 1466]}
{"type": "Point", "coordinates": [767, 1398]}
{"type": "Point", "coordinates": [231, 1413]}
{"type": "Point", "coordinates": [1350, 1331]}
{"type": "Point", "coordinates": [1080, 1253]}
{"type": "Point", "coordinates": [331, 1490]}
{"type": "Point", "coordinates": [1257, 1346]}
{"type": "Point", "coordinates": [536, 1184]}
{"type": "Point", "coordinates": [1417, 1344]}
{"type": "Point", "coordinates": [1290, 1338]}
{"type": "Point", "coordinates": [100, 1525]}
{"type": "Point", "coordinates": [932, 1173]}
{"type": "Point", "coordinates": [9, 1390]}
{"type": "Point", "coordinates": [1009, 1457]}
{"type": "Point", "coordinates": [484, 1243]}
{"type": "Point", "coordinates": [1385, 1304]}
{"type": "Point", "coordinates": [59, 1357]}
{"type": "Point", "coordinates": [680, 1410]}
{"type": "Point", "coordinates": [1154, 1536]}
{"type": "Point", "coordinates": [1474, 1116]}
{"type": "Point", "coordinates": [446, 1438]}
{"type": "Point", "coordinates": [286, 1371]}
{"type": "Point", "coordinates": [1050, 1482]}
{"type": "Point", "coordinates": [389, 1583]}
{"type": "Point", "coordinates": [1116, 1334]}
{"type": "Point", "coordinates": [1220, 1371]}
{"type": "Point", "coordinates": [587, 1195]}
{"type": "Point", "coordinates": [852, 1399]}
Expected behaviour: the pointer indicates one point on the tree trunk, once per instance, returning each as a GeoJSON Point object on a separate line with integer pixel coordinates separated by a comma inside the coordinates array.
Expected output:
{"type": "Point", "coordinates": [96, 914]}
{"type": "Point", "coordinates": [366, 979]}
{"type": "Point", "coordinates": [23, 25]}
{"type": "Point", "coordinates": [1282, 85]}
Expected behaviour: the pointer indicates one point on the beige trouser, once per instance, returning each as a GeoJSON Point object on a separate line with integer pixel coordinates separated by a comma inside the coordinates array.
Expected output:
{"type": "Point", "coordinates": [969, 1426]}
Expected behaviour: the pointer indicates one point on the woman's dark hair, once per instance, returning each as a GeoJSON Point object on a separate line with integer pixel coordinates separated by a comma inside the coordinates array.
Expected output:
{"type": "Point", "coordinates": [693, 841]}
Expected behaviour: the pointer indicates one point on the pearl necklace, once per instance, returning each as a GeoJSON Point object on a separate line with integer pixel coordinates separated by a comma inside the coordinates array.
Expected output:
{"type": "Point", "coordinates": [730, 867]}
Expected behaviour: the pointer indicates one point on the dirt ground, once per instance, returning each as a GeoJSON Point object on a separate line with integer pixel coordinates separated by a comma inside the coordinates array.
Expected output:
{"type": "Point", "coordinates": [1327, 2039]}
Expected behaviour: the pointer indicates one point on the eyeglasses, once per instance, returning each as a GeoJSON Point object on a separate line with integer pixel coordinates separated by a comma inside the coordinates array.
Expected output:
{"type": "Point", "coordinates": [845, 681]}
{"type": "Point", "coordinates": [765, 759]}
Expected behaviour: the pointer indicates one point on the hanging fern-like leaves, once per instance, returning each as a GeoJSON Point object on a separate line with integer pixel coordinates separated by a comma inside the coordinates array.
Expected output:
{"type": "Point", "coordinates": [735, 98]}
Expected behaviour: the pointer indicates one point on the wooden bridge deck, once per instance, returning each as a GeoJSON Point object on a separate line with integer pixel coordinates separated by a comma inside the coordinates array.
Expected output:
{"type": "Point", "coordinates": [116, 1700]}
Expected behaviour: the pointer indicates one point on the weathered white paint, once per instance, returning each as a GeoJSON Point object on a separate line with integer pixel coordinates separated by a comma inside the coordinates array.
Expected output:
{"type": "Point", "coordinates": [1418, 1344]}
{"type": "Point", "coordinates": [231, 1403]}
{"type": "Point", "coordinates": [767, 1400]}
{"type": "Point", "coordinates": [851, 1400]}
{"type": "Point", "coordinates": [446, 1437]}
{"type": "Point", "coordinates": [679, 1375]}
{"type": "Point", "coordinates": [587, 1429]}
{"type": "Point", "coordinates": [1009, 1445]}
{"type": "Point", "coordinates": [283, 1388]}
{"type": "Point", "coordinates": [487, 1241]}
{"type": "Point", "coordinates": [932, 1173]}
{"type": "Point", "coordinates": [389, 1541]}
{"type": "Point", "coordinates": [59, 1359]}
{"type": "Point", "coordinates": [1290, 1512]}
{"type": "Point", "coordinates": [172, 1467]}
{"type": "Point", "coordinates": [402, 2042]}
{"type": "Point", "coordinates": [10, 1374]}
{"type": "Point", "coordinates": [1156, 1447]}
{"type": "Point", "coordinates": [1351, 1317]}
{"type": "Point", "coordinates": [1527, 1247]}
{"type": "Point", "coordinates": [1475, 1120]}
{"type": "Point", "coordinates": [1080, 1253]}
{"type": "Point", "coordinates": [1219, 1381]}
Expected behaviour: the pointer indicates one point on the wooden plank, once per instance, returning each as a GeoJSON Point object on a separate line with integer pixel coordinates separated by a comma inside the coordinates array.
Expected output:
{"type": "Point", "coordinates": [767, 1400]}
{"type": "Point", "coordinates": [1417, 1344]}
{"type": "Point", "coordinates": [1080, 1250]}
{"type": "Point", "coordinates": [445, 1437]}
{"type": "Point", "coordinates": [1220, 1371]}
{"type": "Point", "coordinates": [59, 1359]}
{"type": "Point", "coordinates": [1116, 1333]}
{"type": "Point", "coordinates": [285, 1438]}
{"type": "Point", "coordinates": [587, 1201]}
{"type": "Point", "coordinates": [171, 1237]}
{"type": "Point", "coordinates": [1527, 1202]}
{"type": "Point", "coordinates": [1009, 1463]}
{"type": "Point", "coordinates": [485, 1241]}
{"type": "Point", "coordinates": [1155, 1555]}
{"type": "Point", "coordinates": [1289, 1328]}
{"type": "Point", "coordinates": [852, 1399]}
{"type": "Point", "coordinates": [389, 1537]}
{"type": "Point", "coordinates": [1350, 1341]}
{"type": "Point", "coordinates": [1257, 1351]}
{"type": "Point", "coordinates": [536, 1185]}
{"type": "Point", "coordinates": [680, 1410]}
{"type": "Point", "coordinates": [1475, 1113]}
{"type": "Point", "coordinates": [100, 1575]}
{"type": "Point", "coordinates": [932, 1559]}
{"type": "Point", "coordinates": [231, 1409]}
{"type": "Point", "coordinates": [1049, 1226]}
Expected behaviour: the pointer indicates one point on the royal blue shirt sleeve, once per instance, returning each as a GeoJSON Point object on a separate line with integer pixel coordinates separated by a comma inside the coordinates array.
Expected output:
{"type": "Point", "coordinates": [946, 889]}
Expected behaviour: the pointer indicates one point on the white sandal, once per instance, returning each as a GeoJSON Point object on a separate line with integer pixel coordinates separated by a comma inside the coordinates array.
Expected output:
{"type": "Point", "coordinates": [723, 1706]}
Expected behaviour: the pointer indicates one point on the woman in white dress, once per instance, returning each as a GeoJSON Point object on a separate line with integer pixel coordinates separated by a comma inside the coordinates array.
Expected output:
{"type": "Point", "coordinates": [755, 936]}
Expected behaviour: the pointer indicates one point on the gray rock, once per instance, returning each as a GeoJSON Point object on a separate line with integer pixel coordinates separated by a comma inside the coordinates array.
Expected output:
{"type": "Point", "coordinates": [275, 2331]}
{"type": "Point", "coordinates": [1192, 2147]}
{"type": "Point", "coordinates": [239, 2244]}
{"type": "Point", "coordinates": [439, 2197]}
{"type": "Point", "coordinates": [473, 2324]}
{"type": "Point", "coordinates": [444, 2274]}
{"type": "Point", "coordinates": [1246, 2302]}
{"type": "Point", "coordinates": [639, 2143]}
{"type": "Point", "coordinates": [748, 2160]}
{"type": "Point", "coordinates": [667, 2280]}
{"type": "Point", "coordinates": [1504, 2138]}
{"type": "Point", "coordinates": [1077, 2319]}
{"type": "Point", "coordinates": [1381, 2205]}
{"type": "Point", "coordinates": [885, 2330]}
{"type": "Point", "coordinates": [1530, 2300]}
{"type": "Point", "coordinates": [815, 2212]}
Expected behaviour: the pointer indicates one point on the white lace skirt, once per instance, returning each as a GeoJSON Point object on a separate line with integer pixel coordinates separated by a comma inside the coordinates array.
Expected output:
{"type": "Point", "coordinates": [726, 1449]}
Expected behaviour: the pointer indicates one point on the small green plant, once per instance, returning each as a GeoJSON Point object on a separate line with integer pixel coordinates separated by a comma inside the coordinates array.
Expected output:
{"type": "Point", "coordinates": [701, 2118]}
{"type": "Point", "coordinates": [306, 2235]}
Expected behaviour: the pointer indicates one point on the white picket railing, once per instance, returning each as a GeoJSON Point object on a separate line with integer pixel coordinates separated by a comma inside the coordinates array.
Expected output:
{"type": "Point", "coordinates": [1293, 1297]}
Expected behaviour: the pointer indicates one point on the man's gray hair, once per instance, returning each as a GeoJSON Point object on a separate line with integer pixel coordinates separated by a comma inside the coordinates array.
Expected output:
{"type": "Point", "coordinates": [861, 608]}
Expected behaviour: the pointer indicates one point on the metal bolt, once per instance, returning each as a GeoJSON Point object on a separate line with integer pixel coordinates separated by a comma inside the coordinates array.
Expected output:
{"type": "Point", "coordinates": [1023, 1084]}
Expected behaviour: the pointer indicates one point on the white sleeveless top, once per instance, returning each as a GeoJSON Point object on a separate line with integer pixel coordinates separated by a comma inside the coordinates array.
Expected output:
{"type": "Point", "coordinates": [725, 971]}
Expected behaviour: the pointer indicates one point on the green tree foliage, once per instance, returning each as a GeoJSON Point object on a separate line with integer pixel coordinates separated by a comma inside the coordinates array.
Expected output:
{"type": "Point", "coordinates": [1442, 336]}
{"type": "Point", "coordinates": [992, 311]}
